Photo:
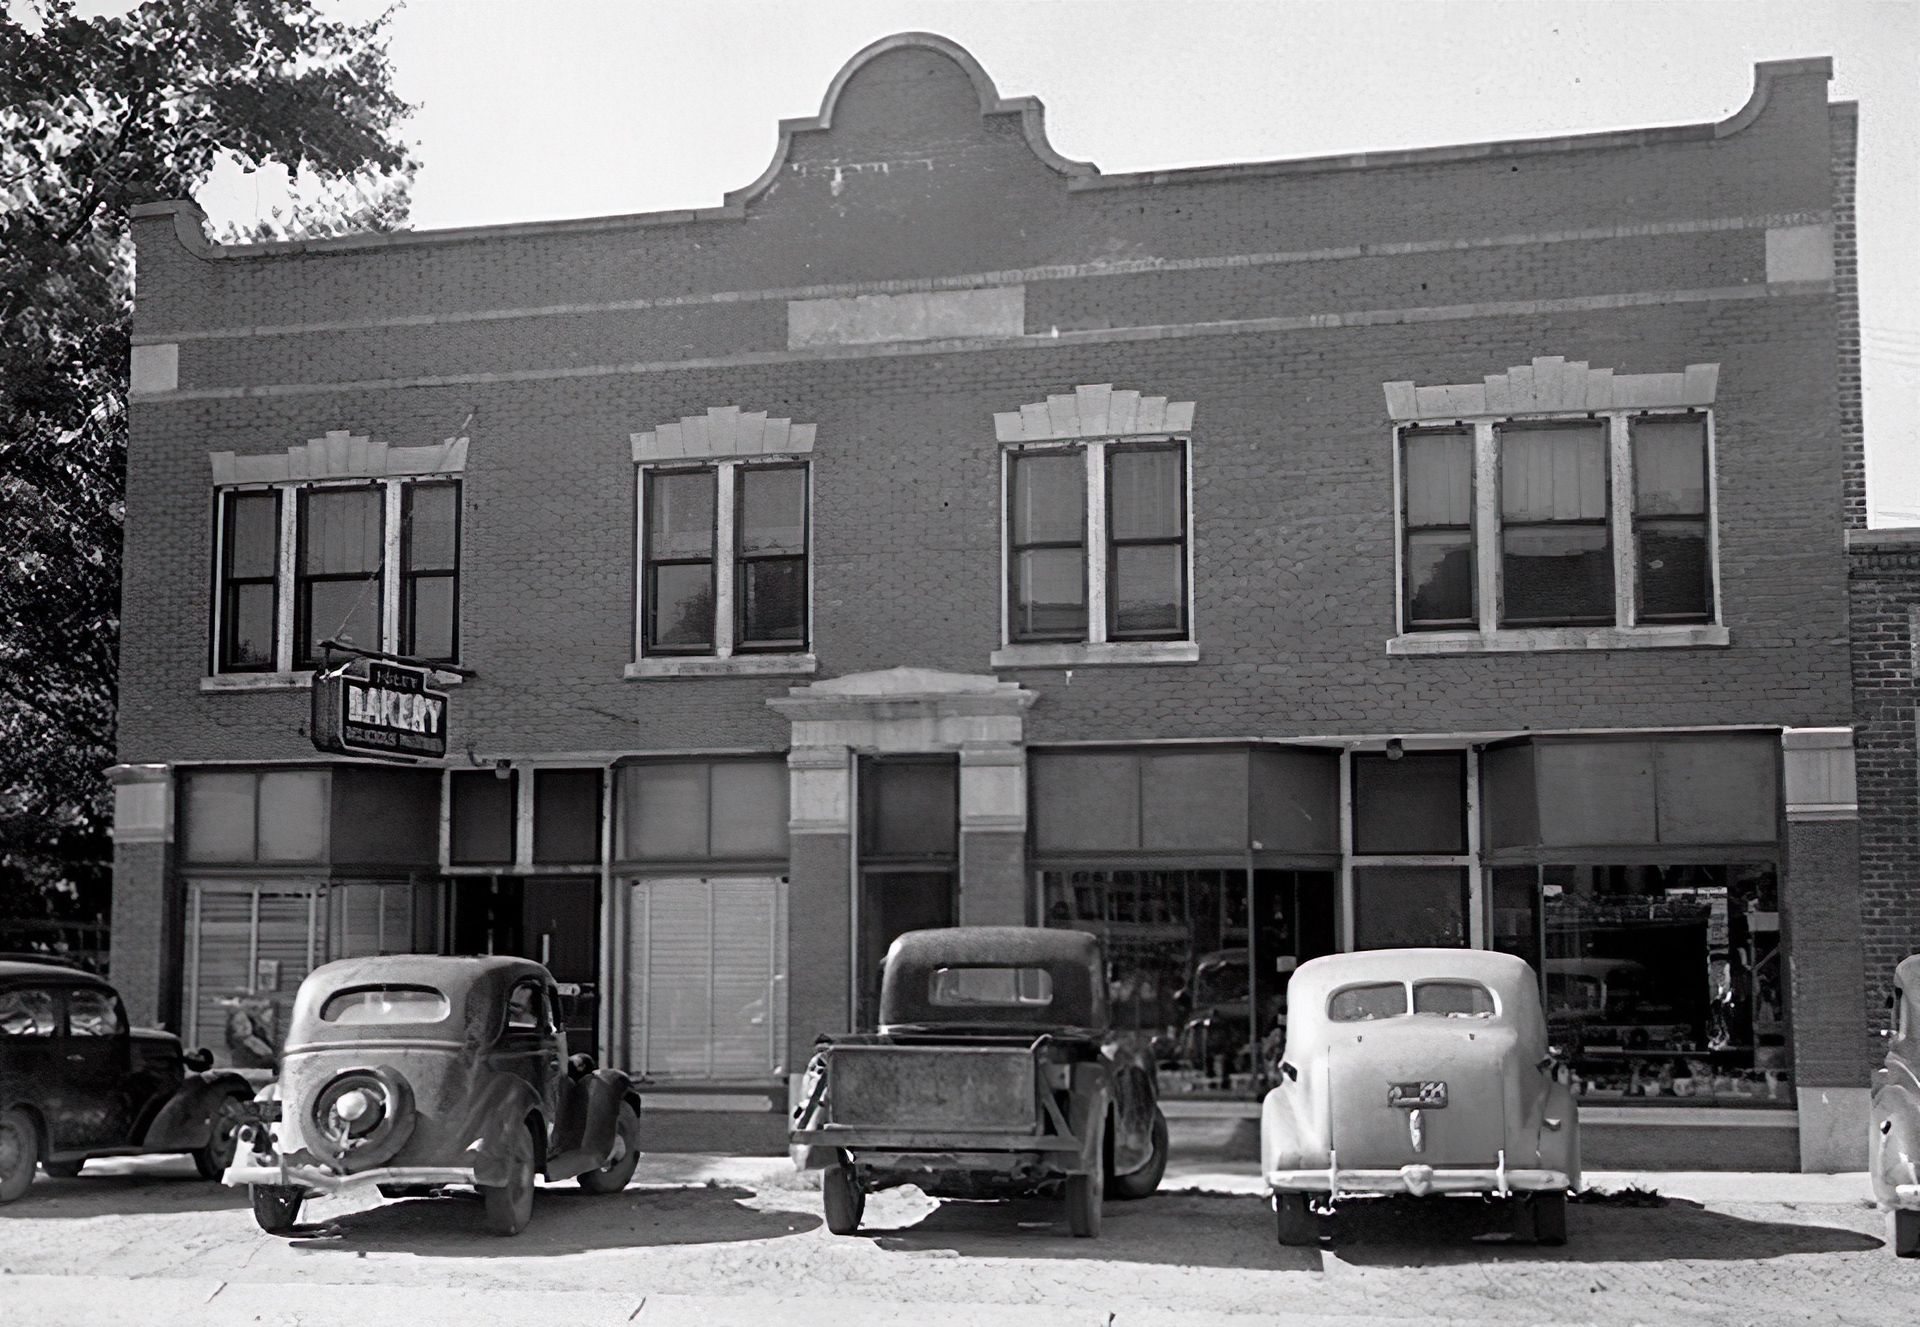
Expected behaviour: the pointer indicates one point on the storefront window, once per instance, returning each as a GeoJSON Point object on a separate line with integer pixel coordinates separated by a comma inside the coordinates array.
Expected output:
{"type": "Point", "coordinates": [1661, 982]}
{"type": "Point", "coordinates": [1191, 982]}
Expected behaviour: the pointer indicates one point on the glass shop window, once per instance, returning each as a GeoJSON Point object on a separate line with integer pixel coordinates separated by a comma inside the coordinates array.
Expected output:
{"type": "Point", "coordinates": [698, 810]}
{"type": "Point", "coordinates": [481, 817]}
{"type": "Point", "coordinates": [265, 816]}
{"type": "Point", "coordinates": [1662, 982]}
{"type": "Point", "coordinates": [1401, 907]}
{"type": "Point", "coordinates": [1415, 803]}
{"type": "Point", "coordinates": [566, 816]}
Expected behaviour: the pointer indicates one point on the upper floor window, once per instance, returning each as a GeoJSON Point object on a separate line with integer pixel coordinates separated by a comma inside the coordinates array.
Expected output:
{"type": "Point", "coordinates": [1586, 521]}
{"type": "Point", "coordinates": [724, 559]}
{"type": "Point", "coordinates": [1113, 568]}
{"type": "Point", "coordinates": [375, 565]}
{"type": "Point", "coordinates": [341, 538]}
{"type": "Point", "coordinates": [724, 575]}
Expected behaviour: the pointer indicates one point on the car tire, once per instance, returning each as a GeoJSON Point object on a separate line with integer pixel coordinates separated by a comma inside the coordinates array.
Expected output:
{"type": "Point", "coordinates": [1542, 1217]}
{"type": "Point", "coordinates": [63, 1170]}
{"type": "Point", "coordinates": [213, 1159]}
{"type": "Point", "coordinates": [19, 1152]}
{"type": "Point", "coordinates": [276, 1207]}
{"type": "Point", "coordinates": [613, 1177]}
{"type": "Point", "coordinates": [1086, 1193]}
{"type": "Point", "coordinates": [1906, 1234]}
{"type": "Point", "coordinates": [510, 1205]}
{"type": "Point", "coordinates": [1297, 1226]}
{"type": "Point", "coordinates": [1142, 1182]}
{"type": "Point", "coordinates": [843, 1198]}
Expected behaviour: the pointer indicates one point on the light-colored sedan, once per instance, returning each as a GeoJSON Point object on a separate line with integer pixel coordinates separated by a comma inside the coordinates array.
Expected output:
{"type": "Point", "coordinates": [1893, 1162]}
{"type": "Point", "coordinates": [1419, 1071]}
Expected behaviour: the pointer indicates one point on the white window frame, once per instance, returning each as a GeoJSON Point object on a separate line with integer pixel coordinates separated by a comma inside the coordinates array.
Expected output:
{"type": "Point", "coordinates": [723, 660]}
{"type": "Point", "coordinates": [283, 673]}
{"type": "Point", "coordinates": [1096, 648]}
{"type": "Point", "coordinates": [1557, 391]}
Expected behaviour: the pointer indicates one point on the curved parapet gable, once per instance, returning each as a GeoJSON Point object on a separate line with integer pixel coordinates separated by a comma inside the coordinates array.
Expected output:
{"type": "Point", "coordinates": [1029, 109]}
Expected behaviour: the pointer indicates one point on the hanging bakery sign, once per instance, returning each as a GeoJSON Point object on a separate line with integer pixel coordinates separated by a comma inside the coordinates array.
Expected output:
{"type": "Point", "coordinates": [388, 711]}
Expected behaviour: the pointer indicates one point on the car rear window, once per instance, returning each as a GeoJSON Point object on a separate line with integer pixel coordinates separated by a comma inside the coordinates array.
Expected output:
{"type": "Point", "coordinates": [385, 1004]}
{"type": "Point", "coordinates": [991, 987]}
{"type": "Point", "coordinates": [1452, 999]}
{"type": "Point", "coordinates": [1358, 1004]}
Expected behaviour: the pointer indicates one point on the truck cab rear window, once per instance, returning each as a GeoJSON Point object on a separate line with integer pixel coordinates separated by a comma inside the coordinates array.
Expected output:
{"type": "Point", "coordinates": [1452, 999]}
{"type": "Point", "coordinates": [990, 987]}
{"type": "Point", "coordinates": [1360, 1004]}
{"type": "Point", "coordinates": [385, 1004]}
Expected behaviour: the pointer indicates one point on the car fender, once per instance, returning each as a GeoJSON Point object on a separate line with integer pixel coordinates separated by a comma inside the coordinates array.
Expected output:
{"type": "Point", "coordinates": [500, 1107]}
{"type": "Point", "coordinates": [1560, 1146]}
{"type": "Point", "coordinates": [589, 1124]}
{"type": "Point", "coordinates": [804, 1112]}
{"type": "Point", "coordinates": [1894, 1143]}
{"type": "Point", "coordinates": [1087, 1106]}
{"type": "Point", "coordinates": [185, 1121]}
{"type": "Point", "coordinates": [1131, 1119]}
{"type": "Point", "coordinates": [1288, 1141]}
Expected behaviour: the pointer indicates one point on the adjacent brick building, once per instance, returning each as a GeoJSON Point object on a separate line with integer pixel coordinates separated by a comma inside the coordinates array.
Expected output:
{"type": "Point", "coordinates": [1437, 546]}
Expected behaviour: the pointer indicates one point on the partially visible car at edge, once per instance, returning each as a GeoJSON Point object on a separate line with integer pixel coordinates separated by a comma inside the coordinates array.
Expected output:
{"type": "Point", "coordinates": [1893, 1139]}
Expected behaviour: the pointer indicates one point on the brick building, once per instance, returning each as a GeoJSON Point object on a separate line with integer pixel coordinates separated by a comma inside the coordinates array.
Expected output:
{"type": "Point", "coordinates": [1243, 562]}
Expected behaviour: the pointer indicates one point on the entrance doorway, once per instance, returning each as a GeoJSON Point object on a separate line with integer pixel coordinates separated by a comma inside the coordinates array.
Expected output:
{"type": "Point", "coordinates": [554, 920]}
{"type": "Point", "coordinates": [909, 860]}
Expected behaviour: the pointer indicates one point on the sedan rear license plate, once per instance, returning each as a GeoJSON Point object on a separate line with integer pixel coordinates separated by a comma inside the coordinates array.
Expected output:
{"type": "Point", "coordinates": [1417, 1096]}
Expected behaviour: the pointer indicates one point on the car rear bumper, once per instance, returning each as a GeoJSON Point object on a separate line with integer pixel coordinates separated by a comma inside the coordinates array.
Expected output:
{"type": "Point", "coordinates": [1417, 1180]}
{"type": "Point", "coordinates": [1906, 1198]}
{"type": "Point", "coordinates": [326, 1181]}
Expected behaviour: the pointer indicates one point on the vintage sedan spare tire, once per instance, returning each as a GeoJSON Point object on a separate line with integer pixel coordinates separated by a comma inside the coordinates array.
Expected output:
{"type": "Point", "coordinates": [362, 1117]}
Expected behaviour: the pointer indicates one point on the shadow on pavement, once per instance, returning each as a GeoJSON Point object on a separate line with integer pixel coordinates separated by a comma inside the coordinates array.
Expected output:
{"type": "Point", "coordinates": [565, 1220]}
{"type": "Point", "coordinates": [151, 1190]}
{"type": "Point", "coordinates": [1213, 1232]}
{"type": "Point", "coordinates": [1403, 1232]}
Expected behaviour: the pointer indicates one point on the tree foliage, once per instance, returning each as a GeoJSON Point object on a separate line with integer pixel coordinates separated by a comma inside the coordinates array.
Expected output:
{"type": "Point", "coordinates": [98, 114]}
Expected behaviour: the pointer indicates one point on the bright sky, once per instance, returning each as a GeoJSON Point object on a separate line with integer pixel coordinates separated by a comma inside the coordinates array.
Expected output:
{"type": "Point", "coordinates": [561, 108]}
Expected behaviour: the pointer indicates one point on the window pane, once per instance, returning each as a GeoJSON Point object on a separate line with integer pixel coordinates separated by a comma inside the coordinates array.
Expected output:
{"type": "Point", "coordinates": [909, 808]}
{"type": "Point", "coordinates": [343, 531]}
{"type": "Point", "coordinates": [1396, 907]}
{"type": "Point", "coordinates": [1672, 564]}
{"type": "Point", "coordinates": [1557, 575]}
{"type": "Point", "coordinates": [1439, 478]}
{"type": "Point", "coordinates": [680, 514]}
{"type": "Point", "coordinates": [1417, 803]}
{"type": "Point", "coordinates": [480, 818]}
{"type": "Point", "coordinates": [92, 1013]}
{"type": "Point", "coordinates": [1146, 589]}
{"type": "Point", "coordinates": [1362, 1004]}
{"type": "Point", "coordinates": [1049, 496]}
{"type": "Point", "coordinates": [663, 810]}
{"type": "Point", "coordinates": [680, 605]}
{"type": "Point", "coordinates": [991, 987]}
{"type": "Point", "coordinates": [26, 1014]}
{"type": "Point", "coordinates": [773, 510]}
{"type": "Point", "coordinates": [293, 816]}
{"type": "Point", "coordinates": [1440, 577]}
{"type": "Point", "coordinates": [250, 626]}
{"type": "Point", "coordinates": [750, 808]}
{"type": "Point", "coordinates": [1147, 493]}
{"type": "Point", "coordinates": [348, 611]}
{"type": "Point", "coordinates": [1669, 467]}
{"type": "Point", "coordinates": [386, 1004]}
{"type": "Point", "coordinates": [1050, 593]}
{"type": "Point", "coordinates": [219, 817]}
{"type": "Point", "coordinates": [566, 815]}
{"type": "Point", "coordinates": [431, 526]}
{"type": "Point", "coordinates": [773, 597]}
{"type": "Point", "coordinates": [1553, 474]}
{"type": "Point", "coordinates": [253, 534]}
{"type": "Point", "coordinates": [430, 617]}
{"type": "Point", "coordinates": [1452, 999]}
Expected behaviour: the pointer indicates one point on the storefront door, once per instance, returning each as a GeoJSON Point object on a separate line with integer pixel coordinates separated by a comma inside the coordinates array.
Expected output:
{"type": "Point", "coordinates": [554, 920]}
{"type": "Point", "coordinates": [893, 901]}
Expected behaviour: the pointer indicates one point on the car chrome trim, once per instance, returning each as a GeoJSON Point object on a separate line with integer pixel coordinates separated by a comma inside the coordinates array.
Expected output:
{"type": "Point", "coordinates": [327, 1181]}
{"type": "Point", "coordinates": [1434, 1179]}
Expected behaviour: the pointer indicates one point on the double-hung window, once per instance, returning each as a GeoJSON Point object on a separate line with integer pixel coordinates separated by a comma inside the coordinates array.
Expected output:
{"type": "Point", "coordinates": [724, 567]}
{"type": "Point", "coordinates": [1097, 546]}
{"type": "Point", "coordinates": [1556, 526]}
{"type": "Point", "coordinates": [371, 563]}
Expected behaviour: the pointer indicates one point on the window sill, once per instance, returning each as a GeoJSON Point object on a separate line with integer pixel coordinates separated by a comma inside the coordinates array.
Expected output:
{"type": "Point", "coordinates": [739, 665]}
{"type": "Point", "coordinates": [1542, 640]}
{"type": "Point", "coordinates": [296, 681]}
{"type": "Point", "coordinates": [1087, 654]}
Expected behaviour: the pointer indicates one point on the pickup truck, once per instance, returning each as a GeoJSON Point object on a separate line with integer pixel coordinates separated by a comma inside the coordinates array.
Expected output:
{"type": "Point", "coordinates": [994, 1073]}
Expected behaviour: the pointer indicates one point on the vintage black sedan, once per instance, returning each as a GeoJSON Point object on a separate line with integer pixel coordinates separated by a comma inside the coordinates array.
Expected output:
{"type": "Point", "coordinates": [411, 1072]}
{"type": "Point", "coordinates": [77, 1082]}
{"type": "Point", "coordinates": [994, 1073]}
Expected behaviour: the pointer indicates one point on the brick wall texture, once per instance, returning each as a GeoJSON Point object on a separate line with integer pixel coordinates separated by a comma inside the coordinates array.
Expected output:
{"type": "Point", "coordinates": [1884, 596]}
{"type": "Point", "coordinates": [1293, 521]}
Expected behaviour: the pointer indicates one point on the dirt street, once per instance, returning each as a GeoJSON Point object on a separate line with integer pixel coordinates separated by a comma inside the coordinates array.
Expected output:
{"type": "Point", "coordinates": [723, 1240]}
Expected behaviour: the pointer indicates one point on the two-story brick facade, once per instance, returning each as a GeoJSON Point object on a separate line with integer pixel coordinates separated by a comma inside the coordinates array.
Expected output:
{"type": "Point", "coordinates": [1247, 562]}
